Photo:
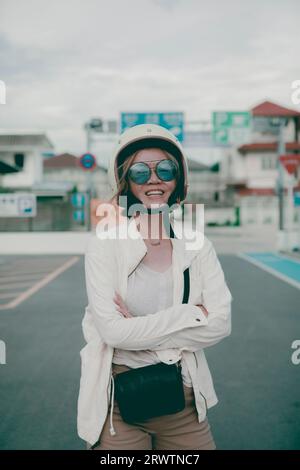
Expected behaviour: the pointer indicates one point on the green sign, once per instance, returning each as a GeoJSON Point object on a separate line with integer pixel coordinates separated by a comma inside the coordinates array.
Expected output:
{"type": "Point", "coordinates": [221, 136]}
{"type": "Point", "coordinates": [230, 126]}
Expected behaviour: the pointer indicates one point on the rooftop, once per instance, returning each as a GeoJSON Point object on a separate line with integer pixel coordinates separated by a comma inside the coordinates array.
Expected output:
{"type": "Point", "coordinates": [267, 147]}
{"type": "Point", "coordinates": [64, 160]}
{"type": "Point", "coordinates": [267, 108]}
{"type": "Point", "coordinates": [26, 140]}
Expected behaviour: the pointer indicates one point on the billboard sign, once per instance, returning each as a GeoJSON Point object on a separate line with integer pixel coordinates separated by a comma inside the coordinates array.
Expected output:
{"type": "Point", "coordinates": [173, 121]}
{"type": "Point", "coordinates": [231, 127]}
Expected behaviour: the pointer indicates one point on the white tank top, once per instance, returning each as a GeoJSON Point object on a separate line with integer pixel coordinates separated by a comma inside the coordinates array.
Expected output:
{"type": "Point", "coordinates": [148, 292]}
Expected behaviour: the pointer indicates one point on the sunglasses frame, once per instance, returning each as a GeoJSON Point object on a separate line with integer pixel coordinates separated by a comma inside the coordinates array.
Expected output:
{"type": "Point", "coordinates": [155, 169]}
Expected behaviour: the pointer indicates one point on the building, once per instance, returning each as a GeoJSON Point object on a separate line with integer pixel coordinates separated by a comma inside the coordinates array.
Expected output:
{"type": "Point", "coordinates": [21, 159]}
{"type": "Point", "coordinates": [21, 171]}
{"type": "Point", "coordinates": [65, 168]}
{"type": "Point", "coordinates": [251, 169]}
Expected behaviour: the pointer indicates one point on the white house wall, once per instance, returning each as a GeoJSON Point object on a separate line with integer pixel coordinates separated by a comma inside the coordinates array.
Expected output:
{"type": "Point", "coordinates": [257, 177]}
{"type": "Point", "coordinates": [236, 165]}
{"type": "Point", "coordinates": [288, 133]}
{"type": "Point", "coordinates": [79, 178]}
{"type": "Point", "coordinates": [31, 173]}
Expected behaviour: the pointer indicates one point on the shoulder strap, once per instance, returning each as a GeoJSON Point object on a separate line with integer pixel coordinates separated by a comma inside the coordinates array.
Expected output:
{"type": "Point", "coordinates": [186, 275]}
{"type": "Point", "coordinates": [186, 292]}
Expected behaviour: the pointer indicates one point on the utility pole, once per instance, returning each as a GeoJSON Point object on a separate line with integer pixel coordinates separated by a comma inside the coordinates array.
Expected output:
{"type": "Point", "coordinates": [88, 178]}
{"type": "Point", "coordinates": [93, 125]}
{"type": "Point", "coordinates": [280, 185]}
{"type": "Point", "coordinates": [108, 129]}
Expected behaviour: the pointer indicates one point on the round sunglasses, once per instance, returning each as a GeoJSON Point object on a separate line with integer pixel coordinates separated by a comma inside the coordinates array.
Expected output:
{"type": "Point", "coordinates": [140, 172]}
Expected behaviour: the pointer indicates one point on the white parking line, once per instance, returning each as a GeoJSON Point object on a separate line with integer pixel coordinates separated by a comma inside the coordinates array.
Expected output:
{"type": "Point", "coordinates": [15, 285]}
{"type": "Point", "coordinates": [22, 277]}
{"type": "Point", "coordinates": [39, 285]}
{"type": "Point", "coordinates": [7, 295]}
{"type": "Point", "coordinates": [269, 270]}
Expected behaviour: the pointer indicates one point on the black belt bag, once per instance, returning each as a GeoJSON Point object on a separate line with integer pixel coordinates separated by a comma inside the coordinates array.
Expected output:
{"type": "Point", "coordinates": [148, 392]}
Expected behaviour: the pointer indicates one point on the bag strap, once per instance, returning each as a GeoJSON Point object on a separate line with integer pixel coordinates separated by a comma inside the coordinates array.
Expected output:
{"type": "Point", "coordinates": [186, 275]}
{"type": "Point", "coordinates": [186, 291]}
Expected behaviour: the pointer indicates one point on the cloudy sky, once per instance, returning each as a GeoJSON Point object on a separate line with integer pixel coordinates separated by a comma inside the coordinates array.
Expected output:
{"type": "Point", "coordinates": [65, 61]}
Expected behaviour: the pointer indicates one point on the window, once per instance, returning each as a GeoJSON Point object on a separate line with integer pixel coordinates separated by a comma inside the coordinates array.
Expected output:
{"type": "Point", "coordinates": [268, 162]}
{"type": "Point", "coordinates": [19, 160]}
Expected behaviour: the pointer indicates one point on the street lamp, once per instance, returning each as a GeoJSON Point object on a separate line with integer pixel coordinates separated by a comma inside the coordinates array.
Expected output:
{"type": "Point", "coordinates": [92, 126]}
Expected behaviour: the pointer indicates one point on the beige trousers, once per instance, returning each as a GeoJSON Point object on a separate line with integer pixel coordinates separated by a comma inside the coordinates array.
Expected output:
{"type": "Point", "coordinates": [170, 432]}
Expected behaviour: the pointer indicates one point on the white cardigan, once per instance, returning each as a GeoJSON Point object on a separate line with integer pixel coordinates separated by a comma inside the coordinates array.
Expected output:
{"type": "Point", "coordinates": [182, 329]}
{"type": "Point", "coordinates": [148, 292]}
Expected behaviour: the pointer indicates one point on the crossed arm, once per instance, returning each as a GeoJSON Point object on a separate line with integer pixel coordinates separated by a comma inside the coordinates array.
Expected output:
{"type": "Point", "coordinates": [122, 307]}
{"type": "Point", "coordinates": [183, 326]}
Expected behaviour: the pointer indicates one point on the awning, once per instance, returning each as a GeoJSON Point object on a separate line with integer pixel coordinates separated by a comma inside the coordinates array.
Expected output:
{"type": "Point", "coordinates": [5, 168]}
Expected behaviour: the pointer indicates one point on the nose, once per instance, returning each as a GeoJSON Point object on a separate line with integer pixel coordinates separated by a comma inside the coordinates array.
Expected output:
{"type": "Point", "coordinates": [153, 178]}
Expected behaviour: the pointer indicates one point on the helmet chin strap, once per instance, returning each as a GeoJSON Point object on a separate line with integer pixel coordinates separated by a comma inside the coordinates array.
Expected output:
{"type": "Point", "coordinates": [164, 208]}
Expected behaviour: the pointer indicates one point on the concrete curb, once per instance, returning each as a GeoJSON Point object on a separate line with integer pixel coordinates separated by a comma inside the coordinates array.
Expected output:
{"type": "Point", "coordinates": [12, 243]}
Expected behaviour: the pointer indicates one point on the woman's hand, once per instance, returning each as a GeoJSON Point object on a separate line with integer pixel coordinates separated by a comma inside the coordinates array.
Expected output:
{"type": "Point", "coordinates": [203, 309]}
{"type": "Point", "coordinates": [121, 306]}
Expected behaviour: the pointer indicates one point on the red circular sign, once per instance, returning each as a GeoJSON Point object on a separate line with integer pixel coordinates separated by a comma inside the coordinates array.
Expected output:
{"type": "Point", "coordinates": [88, 161]}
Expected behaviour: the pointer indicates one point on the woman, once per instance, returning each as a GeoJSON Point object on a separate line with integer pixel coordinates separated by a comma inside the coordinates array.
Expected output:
{"type": "Point", "coordinates": [135, 316]}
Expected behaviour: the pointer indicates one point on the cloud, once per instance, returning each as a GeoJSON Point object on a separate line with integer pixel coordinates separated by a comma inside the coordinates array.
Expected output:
{"type": "Point", "coordinates": [166, 4]}
{"type": "Point", "coordinates": [66, 61]}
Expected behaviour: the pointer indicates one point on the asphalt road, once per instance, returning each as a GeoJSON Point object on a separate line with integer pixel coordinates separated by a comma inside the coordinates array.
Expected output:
{"type": "Point", "coordinates": [257, 385]}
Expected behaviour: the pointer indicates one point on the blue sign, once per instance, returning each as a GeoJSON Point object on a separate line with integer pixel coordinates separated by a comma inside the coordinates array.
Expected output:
{"type": "Point", "coordinates": [78, 200]}
{"type": "Point", "coordinates": [88, 161]}
{"type": "Point", "coordinates": [78, 216]}
{"type": "Point", "coordinates": [174, 122]}
{"type": "Point", "coordinates": [297, 198]}
{"type": "Point", "coordinates": [27, 205]}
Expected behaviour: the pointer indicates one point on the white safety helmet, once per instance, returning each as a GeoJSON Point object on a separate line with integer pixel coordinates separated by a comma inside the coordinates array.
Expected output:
{"type": "Point", "coordinates": [147, 136]}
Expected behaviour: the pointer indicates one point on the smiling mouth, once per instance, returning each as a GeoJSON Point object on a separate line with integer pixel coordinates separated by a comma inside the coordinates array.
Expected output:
{"type": "Point", "coordinates": [154, 193]}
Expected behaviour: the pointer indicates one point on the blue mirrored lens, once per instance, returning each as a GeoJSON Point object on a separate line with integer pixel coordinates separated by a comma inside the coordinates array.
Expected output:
{"type": "Point", "coordinates": [166, 170]}
{"type": "Point", "coordinates": [139, 173]}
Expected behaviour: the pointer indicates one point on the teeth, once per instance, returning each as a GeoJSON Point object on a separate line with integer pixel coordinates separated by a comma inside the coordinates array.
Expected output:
{"type": "Point", "coordinates": [148, 193]}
